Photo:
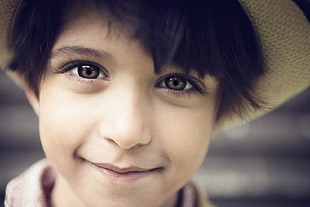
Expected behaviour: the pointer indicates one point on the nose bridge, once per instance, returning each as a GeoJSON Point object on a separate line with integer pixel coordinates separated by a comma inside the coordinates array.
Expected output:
{"type": "Point", "coordinates": [128, 121]}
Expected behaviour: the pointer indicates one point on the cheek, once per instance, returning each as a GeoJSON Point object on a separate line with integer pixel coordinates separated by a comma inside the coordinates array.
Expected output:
{"type": "Point", "coordinates": [185, 135]}
{"type": "Point", "coordinates": [63, 125]}
{"type": "Point", "coordinates": [189, 139]}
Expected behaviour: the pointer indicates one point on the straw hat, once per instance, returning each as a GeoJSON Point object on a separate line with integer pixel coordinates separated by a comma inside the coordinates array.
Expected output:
{"type": "Point", "coordinates": [282, 28]}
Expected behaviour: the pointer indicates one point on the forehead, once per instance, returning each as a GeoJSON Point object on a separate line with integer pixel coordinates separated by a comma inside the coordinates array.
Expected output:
{"type": "Point", "coordinates": [76, 11]}
{"type": "Point", "coordinates": [101, 27]}
{"type": "Point", "coordinates": [139, 21]}
{"type": "Point", "coordinates": [89, 36]}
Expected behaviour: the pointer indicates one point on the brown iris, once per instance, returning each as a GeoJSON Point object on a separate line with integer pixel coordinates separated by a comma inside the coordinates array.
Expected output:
{"type": "Point", "coordinates": [89, 72]}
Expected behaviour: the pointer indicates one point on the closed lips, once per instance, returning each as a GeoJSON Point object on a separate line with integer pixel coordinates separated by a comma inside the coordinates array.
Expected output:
{"type": "Point", "coordinates": [126, 170]}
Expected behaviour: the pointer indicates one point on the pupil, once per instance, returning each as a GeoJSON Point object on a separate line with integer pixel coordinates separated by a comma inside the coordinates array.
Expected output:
{"type": "Point", "coordinates": [176, 83]}
{"type": "Point", "coordinates": [88, 72]}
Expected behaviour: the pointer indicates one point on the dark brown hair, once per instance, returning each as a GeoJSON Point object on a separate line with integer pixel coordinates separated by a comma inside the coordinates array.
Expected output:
{"type": "Point", "coordinates": [212, 37]}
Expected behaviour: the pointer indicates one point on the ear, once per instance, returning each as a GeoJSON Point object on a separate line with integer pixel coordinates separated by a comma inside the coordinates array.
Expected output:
{"type": "Point", "coordinates": [33, 99]}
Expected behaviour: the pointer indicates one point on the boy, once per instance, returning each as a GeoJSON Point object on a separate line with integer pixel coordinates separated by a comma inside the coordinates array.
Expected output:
{"type": "Point", "coordinates": [130, 93]}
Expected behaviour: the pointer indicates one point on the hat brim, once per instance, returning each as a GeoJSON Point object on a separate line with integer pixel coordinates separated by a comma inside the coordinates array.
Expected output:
{"type": "Point", "coordinates": [284, 32]}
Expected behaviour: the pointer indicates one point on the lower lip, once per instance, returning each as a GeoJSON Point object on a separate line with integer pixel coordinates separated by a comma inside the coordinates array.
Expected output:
{"type": "Point", "coordinates": [128, 177]}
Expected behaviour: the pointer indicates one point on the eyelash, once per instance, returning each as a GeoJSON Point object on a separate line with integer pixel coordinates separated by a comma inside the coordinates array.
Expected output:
{"type": "Point", "coordinates": [196, 84]}
{"type": "Point", "coordinates": [70, 66]}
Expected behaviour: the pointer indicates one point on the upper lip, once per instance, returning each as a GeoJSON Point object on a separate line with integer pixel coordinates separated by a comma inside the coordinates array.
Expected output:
{"type": "Point", "coordinates": [122, 169]}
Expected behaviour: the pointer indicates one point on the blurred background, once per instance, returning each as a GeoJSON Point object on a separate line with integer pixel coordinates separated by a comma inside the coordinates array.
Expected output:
{"type": "Point", "coordinates": [264, 163]}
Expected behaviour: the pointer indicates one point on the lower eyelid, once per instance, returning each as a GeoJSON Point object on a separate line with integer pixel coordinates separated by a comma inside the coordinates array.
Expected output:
{"type": "Point", "coordinates": [179, 93]}
{"type": "Point", "coordinates": [82, 82]}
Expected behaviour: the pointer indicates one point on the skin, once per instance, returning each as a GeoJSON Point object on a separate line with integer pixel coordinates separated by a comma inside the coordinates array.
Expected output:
{"type": "Point", "coordinates": [126, 117]}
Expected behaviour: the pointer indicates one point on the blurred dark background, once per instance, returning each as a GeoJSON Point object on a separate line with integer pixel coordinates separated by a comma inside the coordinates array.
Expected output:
{"type": "Point", "coordinates": [264, 163]}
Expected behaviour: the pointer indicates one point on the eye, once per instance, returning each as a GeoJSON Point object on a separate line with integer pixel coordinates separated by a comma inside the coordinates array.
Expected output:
{"type": "Point", "coordinates": [84, 70]}
{"type": "Point", "coordinates": [175, 82]}
{"type": "Point", "coordinates": [88, 71]}
{"type": "Point", "coordinates": [181, 84]}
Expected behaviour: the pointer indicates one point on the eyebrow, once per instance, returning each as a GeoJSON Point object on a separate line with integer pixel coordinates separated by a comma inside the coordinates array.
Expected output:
{"type": "Point", "coordinates": [80, 50]}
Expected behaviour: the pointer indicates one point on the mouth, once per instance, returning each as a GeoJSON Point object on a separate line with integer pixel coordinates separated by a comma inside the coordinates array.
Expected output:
{"type": "Point", "coordinates": [124, 175]}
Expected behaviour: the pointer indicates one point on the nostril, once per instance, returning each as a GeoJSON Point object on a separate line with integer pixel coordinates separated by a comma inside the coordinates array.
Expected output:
{"type": "Point", "coordinates": [128, 142]}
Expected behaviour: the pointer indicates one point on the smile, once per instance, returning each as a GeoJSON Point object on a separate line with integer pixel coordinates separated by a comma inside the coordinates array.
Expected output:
{"type": "Point", "coordinates": [123, 175]}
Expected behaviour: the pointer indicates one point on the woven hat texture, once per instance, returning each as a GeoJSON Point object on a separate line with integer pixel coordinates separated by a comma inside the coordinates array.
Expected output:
{"type": "Point", "coordinates": [284, 33]}
{"type": "Point", "coordinates": [8, 10]}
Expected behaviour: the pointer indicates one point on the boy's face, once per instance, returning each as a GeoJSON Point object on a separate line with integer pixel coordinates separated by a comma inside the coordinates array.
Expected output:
{"type": "Point", "coordinates": [127, 136]}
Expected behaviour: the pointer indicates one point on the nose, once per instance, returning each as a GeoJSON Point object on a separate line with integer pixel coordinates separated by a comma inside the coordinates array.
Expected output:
{"type": "Point", "coordinates": [126, 121]}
